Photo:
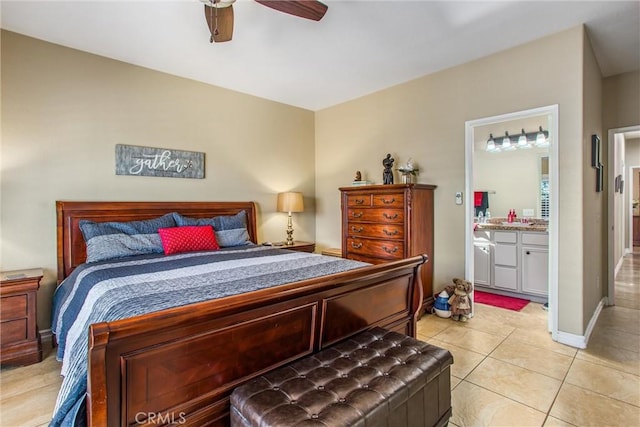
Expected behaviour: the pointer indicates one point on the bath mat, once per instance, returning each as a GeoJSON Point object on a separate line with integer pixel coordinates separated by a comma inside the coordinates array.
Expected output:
{"type": "Point", "coordinates": [510, 303]}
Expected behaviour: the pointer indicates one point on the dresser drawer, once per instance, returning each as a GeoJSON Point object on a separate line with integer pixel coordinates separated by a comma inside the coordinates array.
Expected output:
{"type": "Point", "coordinates": [363, 200]}
{"type": "Point", "coordinates": [389, 200]}
{"type": "Point", "coordinates": [376, 248]}
{"type": "Point", "coordinates": [385, 231]}
{"type": "Point", "coordinates": [384, 216]}
{"type": "Point", "coordinates": [13, 307]}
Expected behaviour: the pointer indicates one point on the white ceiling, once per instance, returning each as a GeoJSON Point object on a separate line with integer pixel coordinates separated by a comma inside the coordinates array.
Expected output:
{"type": "Point", "coordinates": [359, 47]}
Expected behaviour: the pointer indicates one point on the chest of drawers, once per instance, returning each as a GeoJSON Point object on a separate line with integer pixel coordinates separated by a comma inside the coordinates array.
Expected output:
{"type": "Point", "coordinates": [382, 223]}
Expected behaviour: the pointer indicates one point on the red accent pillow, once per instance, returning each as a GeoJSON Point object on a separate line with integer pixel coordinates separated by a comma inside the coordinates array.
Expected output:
{"type": "Point", "coordinates": [188, 239]}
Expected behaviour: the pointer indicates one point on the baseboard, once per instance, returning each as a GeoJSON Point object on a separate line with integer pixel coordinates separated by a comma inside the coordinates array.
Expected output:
{"type": "Point", "coordinates": [619, 265]}
{"type": "Point", "coordinates": [46, 336]}
{"type": "Point", "coordinates": [580, 341]}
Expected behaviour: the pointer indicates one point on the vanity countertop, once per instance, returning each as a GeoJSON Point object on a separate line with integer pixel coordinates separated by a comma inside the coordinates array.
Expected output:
{"type": "Point", "coordinates": [538, 225]}
{"type": "Point", "coordinates": [512, 227]}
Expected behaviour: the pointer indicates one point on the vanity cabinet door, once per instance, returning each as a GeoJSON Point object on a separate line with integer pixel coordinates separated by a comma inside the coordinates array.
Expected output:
{"type": "Point", "coordinates": [535, 270]}
{"type": "Point", "coordinates": [482, 264]}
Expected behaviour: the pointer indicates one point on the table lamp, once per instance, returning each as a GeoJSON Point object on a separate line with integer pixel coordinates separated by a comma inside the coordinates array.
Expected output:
{"type": "Point", "coordinates": [290, 201]}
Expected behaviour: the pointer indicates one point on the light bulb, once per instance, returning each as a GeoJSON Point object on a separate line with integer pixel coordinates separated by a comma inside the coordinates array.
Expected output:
{"type": "Point", "coordinates": [506, 143]}
{"type": "Point", "coordinates": [522, 140]}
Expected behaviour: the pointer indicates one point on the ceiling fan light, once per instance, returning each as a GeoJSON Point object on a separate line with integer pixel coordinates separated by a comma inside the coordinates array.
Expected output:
{"type": "Point", "coordinates": [218, 3]}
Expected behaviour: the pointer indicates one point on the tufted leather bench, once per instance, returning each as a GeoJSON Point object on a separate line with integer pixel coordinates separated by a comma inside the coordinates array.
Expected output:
{"type": "Point", "coordinates": [377, 378]}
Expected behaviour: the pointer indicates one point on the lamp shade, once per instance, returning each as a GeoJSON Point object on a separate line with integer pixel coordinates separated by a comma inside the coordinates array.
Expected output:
{"type": "Point", "coordinates": [290, 201]}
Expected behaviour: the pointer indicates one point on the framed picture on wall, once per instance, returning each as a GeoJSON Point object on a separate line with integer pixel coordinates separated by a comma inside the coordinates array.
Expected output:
{"type": "Point", "coordinates": [595, 151]}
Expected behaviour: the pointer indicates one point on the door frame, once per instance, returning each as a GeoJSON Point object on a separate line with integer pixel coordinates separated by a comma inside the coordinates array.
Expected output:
{"type": "Point", "coordinates": [552, 112]}
{"type": "Point", "coordinates": [612, 150]}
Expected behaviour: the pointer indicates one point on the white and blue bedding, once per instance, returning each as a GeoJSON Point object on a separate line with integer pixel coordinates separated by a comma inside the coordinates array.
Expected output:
{"type": "Point", "coordinates": [123, 288]}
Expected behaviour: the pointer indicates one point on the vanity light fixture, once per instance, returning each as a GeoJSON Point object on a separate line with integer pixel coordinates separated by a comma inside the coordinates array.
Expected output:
{"type": "Point", "coordinates": [491, 144]}
{"type": "Point", "coordinates": [539, 139]}
{"type": "Point", "coordinates": [506, 143]}
{"type": "Point", "coordinates": [522, 141]}
{"type": "Point", "coordinates": [542, 140]}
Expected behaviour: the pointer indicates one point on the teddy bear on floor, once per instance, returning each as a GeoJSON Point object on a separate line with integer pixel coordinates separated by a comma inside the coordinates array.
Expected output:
{"type": "Point", "coordinates": [459, 300]}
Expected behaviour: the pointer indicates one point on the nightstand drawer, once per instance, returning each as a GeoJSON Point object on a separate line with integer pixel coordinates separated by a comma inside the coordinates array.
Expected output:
{"type": "Point", "coordinates": [13, 307]}
{"type": "Point", "coordinates": [12, 331]}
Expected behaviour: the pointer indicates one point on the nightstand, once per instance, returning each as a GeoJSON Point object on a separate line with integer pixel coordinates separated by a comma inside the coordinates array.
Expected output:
{"type": "Point", "coordinates": [300, 246]}
{"type": "Point", "coordinates": [20, 340]}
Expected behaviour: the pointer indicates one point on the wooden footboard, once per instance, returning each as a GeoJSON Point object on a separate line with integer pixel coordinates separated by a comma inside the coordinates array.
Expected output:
{"type": "Point", "coordinates": [180, 365]}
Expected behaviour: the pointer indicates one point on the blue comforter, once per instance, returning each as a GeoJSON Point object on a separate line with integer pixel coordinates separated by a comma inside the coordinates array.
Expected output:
{"type": "Point", "coordinates": [119, 289]}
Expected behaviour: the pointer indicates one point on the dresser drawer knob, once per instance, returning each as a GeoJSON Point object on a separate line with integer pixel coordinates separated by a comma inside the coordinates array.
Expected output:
{"type": "Point", "coordinates": [357, 214]}
{"type": "Point", "coordinates": [359, 201]}
{"type": "Point", "coordinates": [388, 202]}
{"type": "Point", "coordinates": [357, 230]}
{"type": "Point", "coordinates": [390, 251]}
{"type": "Point", "coordinates": [390, 233]}
{"type": "Point", "coordinates": [356, 245]}
{"type": "Point", "coordinates": [387, 216]}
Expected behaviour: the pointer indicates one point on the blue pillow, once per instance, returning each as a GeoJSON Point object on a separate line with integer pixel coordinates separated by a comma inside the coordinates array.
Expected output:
{"type": "Point", "coordinates": [110, 240]}
{"type": "Point", "coordinates": [230, 230]}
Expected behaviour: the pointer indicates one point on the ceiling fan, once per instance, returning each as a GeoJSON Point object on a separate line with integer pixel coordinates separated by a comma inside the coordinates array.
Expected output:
{"type": "Point", "coordinates": [219, 14]}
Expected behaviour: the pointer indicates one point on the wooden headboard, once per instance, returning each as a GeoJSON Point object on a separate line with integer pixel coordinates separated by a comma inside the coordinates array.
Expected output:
{"type": "Point", "coordinates": [71, 247]}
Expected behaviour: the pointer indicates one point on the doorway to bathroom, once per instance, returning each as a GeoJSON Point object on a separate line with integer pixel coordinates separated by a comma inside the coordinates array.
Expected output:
{"type": "Point", "coordinates": [480, 137]}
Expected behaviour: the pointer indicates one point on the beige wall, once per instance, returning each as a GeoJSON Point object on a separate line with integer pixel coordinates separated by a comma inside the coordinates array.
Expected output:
{"type": "Point", "coordinates": [621, 101]}
{"type": "Point", "coordinates": [594, 203]}
{"type": "Point", "coordinates": [63, 112]}
{"type": "Point", "coordinates": [425, 119]}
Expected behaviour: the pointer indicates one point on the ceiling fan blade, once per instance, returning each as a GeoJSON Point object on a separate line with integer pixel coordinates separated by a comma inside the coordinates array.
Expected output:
{"type": "Point", "coordinates": [219, 22]}
{"type": "Point", "coordinates": [310, 9]}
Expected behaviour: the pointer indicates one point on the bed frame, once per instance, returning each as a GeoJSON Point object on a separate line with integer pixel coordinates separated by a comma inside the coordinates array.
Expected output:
{"type": "Point", "coordinates": [180, 365]}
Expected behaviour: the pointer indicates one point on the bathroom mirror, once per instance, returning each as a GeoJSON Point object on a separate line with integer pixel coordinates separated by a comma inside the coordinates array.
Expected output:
{"type": "Point", "coordinates": [515, 178]}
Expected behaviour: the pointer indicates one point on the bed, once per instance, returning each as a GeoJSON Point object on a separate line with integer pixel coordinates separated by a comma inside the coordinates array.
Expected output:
{"type": "Point", "coordinates": [180, 365]}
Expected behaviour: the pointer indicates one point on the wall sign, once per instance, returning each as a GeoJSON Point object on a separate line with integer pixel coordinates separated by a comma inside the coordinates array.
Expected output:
{"type": "Point", "coordinates": [149, 161]}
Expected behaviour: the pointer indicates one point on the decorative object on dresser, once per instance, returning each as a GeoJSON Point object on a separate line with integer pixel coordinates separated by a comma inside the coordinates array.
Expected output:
{"type": "Point", "coordinates": [290, 201]}
{"type": "Point", "coordinates": [387, 174]}
{"type": "Point", "coordinates": [408, 171]}
{"type": "Point", "coordinates": [18, 330]}
{"type": "Point", "coordinates": [382, 223]}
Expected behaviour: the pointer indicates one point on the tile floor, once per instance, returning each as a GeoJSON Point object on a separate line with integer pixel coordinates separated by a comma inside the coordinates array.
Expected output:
{"type": "Point", "coordinates": [507, 371]}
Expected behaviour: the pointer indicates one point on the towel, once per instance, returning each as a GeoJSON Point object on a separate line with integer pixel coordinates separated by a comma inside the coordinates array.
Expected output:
{"type": "Point", "coordinates": [477, 199]}
{"type": "Point", "coordinates": [484, 202]}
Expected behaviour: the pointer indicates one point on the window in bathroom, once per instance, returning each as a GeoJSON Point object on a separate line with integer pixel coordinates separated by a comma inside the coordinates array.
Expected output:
{"type": "Point", "coordinates": [544, 197]}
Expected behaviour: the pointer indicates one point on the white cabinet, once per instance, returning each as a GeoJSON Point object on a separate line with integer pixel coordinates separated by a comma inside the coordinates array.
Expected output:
{"type": "Point", "coordinates": [482, 264]}
{"type": "Point", "coordinates": [511, 260]}
{"type": "Point", "coordinates": [535, 263]}
{"type": "Point", "coordinates": [482, 258]}
{"type": "Point", "coordinates": [505, 260]}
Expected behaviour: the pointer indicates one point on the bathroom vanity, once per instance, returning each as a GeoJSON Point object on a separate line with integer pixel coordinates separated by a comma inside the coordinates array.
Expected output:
{"type": "Point", "coordinates": [512, 259]}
